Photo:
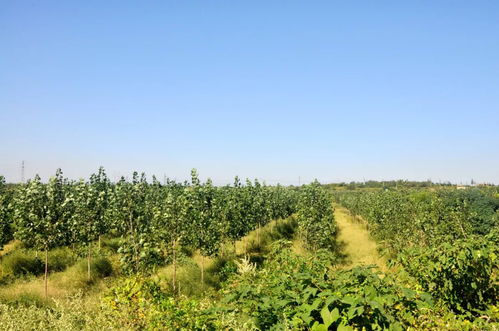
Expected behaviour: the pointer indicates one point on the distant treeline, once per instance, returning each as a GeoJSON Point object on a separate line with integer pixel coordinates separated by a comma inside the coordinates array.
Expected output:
{"type": "Point", "coordinates": [392, 184]}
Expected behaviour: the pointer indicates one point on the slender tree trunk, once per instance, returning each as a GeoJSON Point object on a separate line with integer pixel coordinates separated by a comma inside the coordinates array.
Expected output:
{"type": "Point", "coordinates": [202, 269]}
{"type": "Point", "coordinates": [46, 271]}
{"type": "Point", "coordinates": [258, 234]}
{"type": "Point", "coordinates": [174, 278]}
{"type": "Point", "coordinates": [88, 260]}
{"type": "Point", "coordinates": [99, 242]}
{"type": "Point", "coordinates": [235, 250]}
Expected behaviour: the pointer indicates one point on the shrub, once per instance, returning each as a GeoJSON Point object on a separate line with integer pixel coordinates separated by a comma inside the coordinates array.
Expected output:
{"type": "Point", "coordinates": [102, 267]}
{"type": "Point", "coordinates": [462, 273]}
{"type": "Point", "coordinates": [60, 258]}
{"type": "Point", "coordinates": [21, 263]}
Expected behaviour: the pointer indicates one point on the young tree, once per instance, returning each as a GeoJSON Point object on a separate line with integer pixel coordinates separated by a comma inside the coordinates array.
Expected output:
{"type": "Point", "coordinates": [39, 211]}
{"type": "Point", "coordinates": [205, 231]}
{"type": "Point", "coordinates": [131, 218]}
{"type": "Point", "coordinates": [170, 225]}
{"type": "Point", "coordinates": [100, 186]}
{"type": "Point", "coordinates": [85, 224]}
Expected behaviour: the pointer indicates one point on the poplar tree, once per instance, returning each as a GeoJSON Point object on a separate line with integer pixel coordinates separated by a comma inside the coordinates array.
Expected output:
{"type": "Point", "coordinates": [39, 211]}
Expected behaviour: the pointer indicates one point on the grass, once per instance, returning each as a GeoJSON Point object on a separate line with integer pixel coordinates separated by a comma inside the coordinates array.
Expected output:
{"type": "Point", "coordinates": [72, 279]}
{"type": "Point", "coordinates": [358, 246]}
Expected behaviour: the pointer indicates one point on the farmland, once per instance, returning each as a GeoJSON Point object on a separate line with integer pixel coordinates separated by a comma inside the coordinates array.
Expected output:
{"type": "Point", "coordinates": [142, 255]}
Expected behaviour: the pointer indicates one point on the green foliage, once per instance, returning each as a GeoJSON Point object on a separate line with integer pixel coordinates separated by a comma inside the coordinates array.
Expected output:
{"type": "Point", "coordinates": [463, 274]}
{"type": "Point", "coordinates": [316, 217]}
{"type": "Point", "coordinates": [437, 236]}
{"type": "Point", "coordinates": [39, 213]}
{"type": "Point", "coordinates": [292, 292]}
{"type": "Point", "coordinates": [72, 314]}
{"type": "Point", "coordinates": [401, 218]}
{"type": "Point", "coordinates": [6, 233]}
{"type": "Point", "coordinates": [142, 304]}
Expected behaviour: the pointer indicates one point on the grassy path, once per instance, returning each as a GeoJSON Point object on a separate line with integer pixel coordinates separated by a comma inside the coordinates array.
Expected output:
{"type": "Point", "coordinates": [359, 248]}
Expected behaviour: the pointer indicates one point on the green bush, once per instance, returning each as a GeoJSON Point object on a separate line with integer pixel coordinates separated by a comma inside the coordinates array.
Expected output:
{"type": "Point", "coordinates": [60, 258]}
{"type": "Point", "coordinates": [222, 267]}
{"type": "Point", "coordinates": [21, 263]}
{"type": "Point", "coordinates": [463, 274]}
{"type": "Point", "coordinates": [100, 267]}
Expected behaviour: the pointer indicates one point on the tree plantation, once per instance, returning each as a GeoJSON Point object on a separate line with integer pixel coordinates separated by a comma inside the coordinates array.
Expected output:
{"type": "Point", "coordinates": [145, 255]}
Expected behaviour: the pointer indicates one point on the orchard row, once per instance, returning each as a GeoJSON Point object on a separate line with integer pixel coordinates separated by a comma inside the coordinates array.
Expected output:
{"type": "Point", "coordinates": [155, 220]}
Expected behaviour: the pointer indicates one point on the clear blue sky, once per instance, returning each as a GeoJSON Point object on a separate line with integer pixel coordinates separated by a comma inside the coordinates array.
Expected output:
{"type": "Point", "coordinates": [334, 90]}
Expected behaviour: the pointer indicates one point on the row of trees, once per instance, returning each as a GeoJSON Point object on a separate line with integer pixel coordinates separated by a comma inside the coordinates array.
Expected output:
{"type": "Point", "coordinates": [402, 218]}
{"type": "Point", "coordinates": [316, 217]}
{"type": "Point", "coordinates": [446, 239]}
{"type": "Point", "coordinates": [154, 220]}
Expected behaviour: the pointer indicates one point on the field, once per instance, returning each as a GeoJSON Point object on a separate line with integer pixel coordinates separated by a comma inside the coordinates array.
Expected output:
{"type": "Point", "coordinates": [140, 255]}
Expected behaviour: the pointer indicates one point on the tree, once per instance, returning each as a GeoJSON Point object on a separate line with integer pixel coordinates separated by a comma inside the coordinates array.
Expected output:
{"type": "Point", "coordinates": [39, 211]}
{"type": "Point", "coordinates": [100, 188]}
{"type": "Point", "coordinates": [170, 225]}
{"type": "Point", "coordinates": [131, 219]}
{"type": "Point", "coordinates": [205, 231]}
{"type": "Point", "coordinates": [85, 217]}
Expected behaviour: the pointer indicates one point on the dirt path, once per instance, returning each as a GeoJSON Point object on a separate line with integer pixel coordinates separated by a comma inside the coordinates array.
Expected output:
{"type": "Point", "coordinates": [358, 246]}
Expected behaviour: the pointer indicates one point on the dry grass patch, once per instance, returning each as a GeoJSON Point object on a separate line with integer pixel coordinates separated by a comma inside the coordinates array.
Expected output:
{"type": "Point", "coordinates": [358, 246]}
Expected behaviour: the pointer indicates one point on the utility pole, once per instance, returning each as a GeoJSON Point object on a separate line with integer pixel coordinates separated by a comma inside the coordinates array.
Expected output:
{"type": "Point", "coordinates": [22, 172]}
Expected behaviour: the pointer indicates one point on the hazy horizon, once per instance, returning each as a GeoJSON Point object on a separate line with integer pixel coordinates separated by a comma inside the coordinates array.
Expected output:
{"type": "Point", "coordinates": [283, 92]}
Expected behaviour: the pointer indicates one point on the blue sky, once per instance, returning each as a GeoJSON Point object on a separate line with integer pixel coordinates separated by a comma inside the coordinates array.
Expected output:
{"type": "Point", "coordinates": [279, 90]}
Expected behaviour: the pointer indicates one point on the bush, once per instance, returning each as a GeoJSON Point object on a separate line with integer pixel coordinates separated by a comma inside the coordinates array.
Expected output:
{"type": "Point", "coordinates": [462, 273]}
{"type": "Point", "coordinates": [60, 258]}
{"type": "Point", "coordinates": [102, 267]}
{"type": "Point", "coordinates": [21, 263]}
{"type": "Point", "coordinates": [223, 267]}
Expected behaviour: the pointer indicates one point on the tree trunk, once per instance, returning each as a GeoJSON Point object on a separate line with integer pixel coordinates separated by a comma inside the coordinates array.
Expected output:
{"type": "Point", "coordinates": [88, 260]}
{"type": "Point", "coordinates": [258, 234]}
{"type": "Point", "coordinates": [99, 242]}
{"type": "Point", "coordinates": [46, 271]}
{"type": "Point", "coordinates": [202, 269]}
{"type": "Point", "coordinates": [174, 278]}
